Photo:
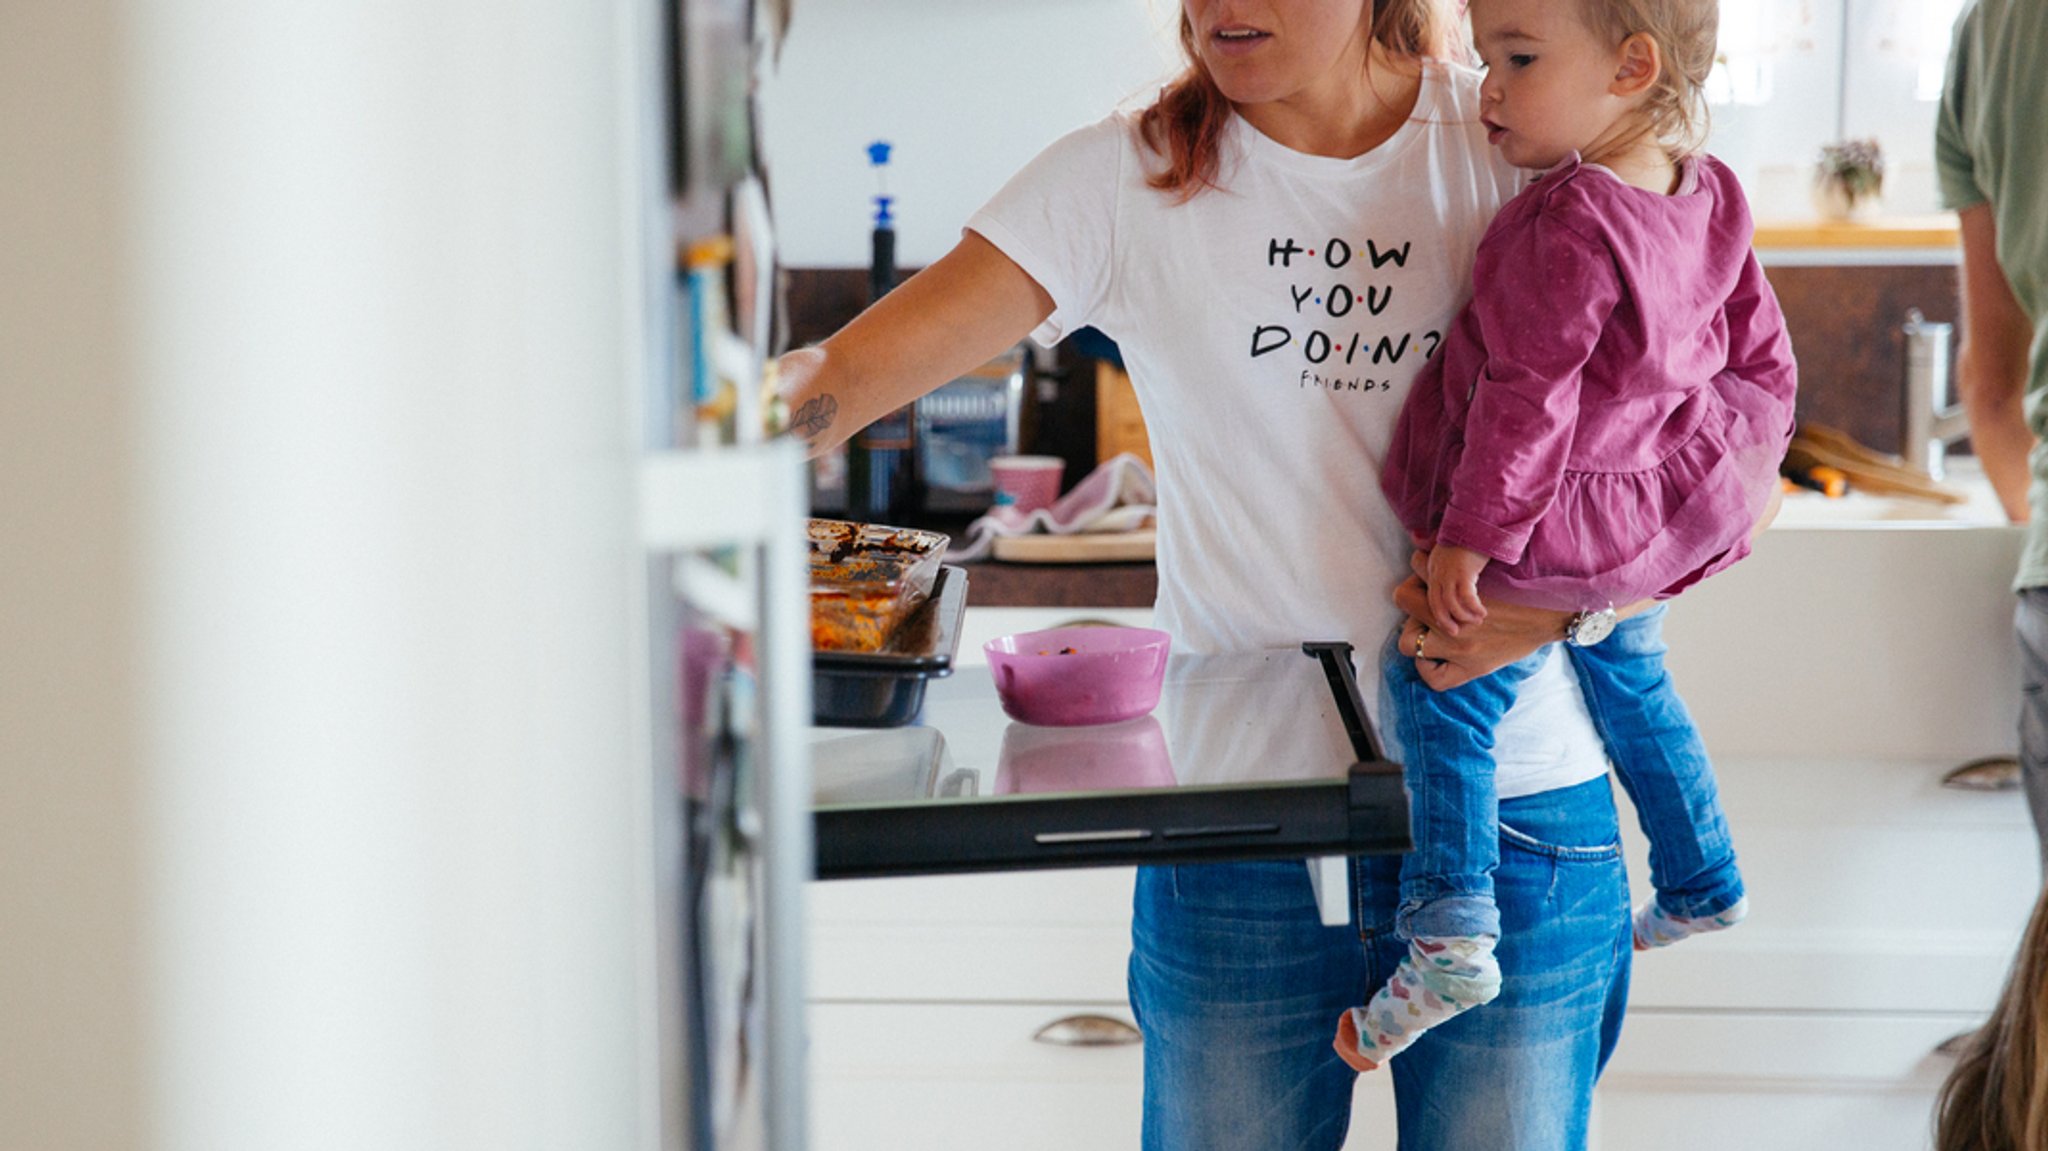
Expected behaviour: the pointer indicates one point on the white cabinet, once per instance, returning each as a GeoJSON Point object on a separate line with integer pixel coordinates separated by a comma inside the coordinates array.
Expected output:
{"type": "Point", "coordinates": [1836, 676]}
{"type": "Point", "coordinates": [926, 993]}
{"type": "Point", "coordinates": [916, 1076]}
{"type": "Point", "coordinates": [1872, 888]}
{"type": "Point", "coordinates": [1709, 1081]}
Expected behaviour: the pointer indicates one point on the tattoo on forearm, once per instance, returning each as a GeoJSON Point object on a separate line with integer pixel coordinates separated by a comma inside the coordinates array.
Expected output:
{"type": "Point", "coordinates": [814, 416]}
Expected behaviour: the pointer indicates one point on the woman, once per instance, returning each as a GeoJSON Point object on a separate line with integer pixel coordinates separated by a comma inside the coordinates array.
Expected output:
{"type": "Point", "coordinates": [1996, 1099]}
{"type": "Point", "coordinates": [1277, 245]}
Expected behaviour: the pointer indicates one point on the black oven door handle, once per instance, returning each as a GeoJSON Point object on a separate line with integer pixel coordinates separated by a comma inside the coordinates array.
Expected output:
{"type": "Point", "coordinates": [1335, 656]}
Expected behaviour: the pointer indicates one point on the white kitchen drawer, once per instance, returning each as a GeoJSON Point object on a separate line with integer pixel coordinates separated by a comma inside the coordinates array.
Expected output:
{"type": "Point", "coordinates": [1731, 1050]}
{"type": "Point", "coordinates": [1062, 936]}
{"type": "Point", "coordinates": [1684, 1118]}
{"type": "Point", "coordinates": [946, 1076]}
{"type": "Point", "coordinates": [1704, 1081]}
{"type": "Point", "coordinates": [941, 1077]}
{"type": "Point", "coordinates": [1864, 877]}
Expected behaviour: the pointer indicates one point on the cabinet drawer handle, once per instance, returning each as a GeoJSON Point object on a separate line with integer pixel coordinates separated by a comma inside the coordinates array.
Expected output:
{"type": "Point", "coordinates": [1992, 773]}
{"type": "Point", "coordinates": [1087, 1031]}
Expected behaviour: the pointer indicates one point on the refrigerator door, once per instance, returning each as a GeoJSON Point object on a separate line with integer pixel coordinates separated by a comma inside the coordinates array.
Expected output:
{"type": "Point", "coordinates": [725, 530]}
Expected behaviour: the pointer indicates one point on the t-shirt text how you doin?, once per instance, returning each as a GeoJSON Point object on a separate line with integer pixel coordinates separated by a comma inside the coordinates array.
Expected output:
{"type": "Point", "coordinates": [1367, 276]}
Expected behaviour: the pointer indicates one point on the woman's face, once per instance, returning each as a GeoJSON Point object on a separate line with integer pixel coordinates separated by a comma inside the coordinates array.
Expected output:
{"type": "Point", "coordinates": [1261, 51]}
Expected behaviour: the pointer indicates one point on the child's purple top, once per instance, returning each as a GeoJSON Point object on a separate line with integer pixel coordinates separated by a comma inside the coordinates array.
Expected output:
{"type": "Point", "coordinates": [1607, 416]}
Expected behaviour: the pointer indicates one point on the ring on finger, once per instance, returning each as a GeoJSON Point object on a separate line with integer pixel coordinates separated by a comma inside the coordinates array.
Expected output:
{"type": "Point", "coordinates": [1421, 633]}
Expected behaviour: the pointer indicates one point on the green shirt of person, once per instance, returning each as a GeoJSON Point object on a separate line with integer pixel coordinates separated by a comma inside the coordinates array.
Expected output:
{"type": "Point", "coordinates": [1991, 157]}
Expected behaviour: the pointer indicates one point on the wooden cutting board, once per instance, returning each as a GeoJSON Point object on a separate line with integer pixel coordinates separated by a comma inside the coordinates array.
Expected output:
{"type": "Point", "coordinates": [1081, 548]}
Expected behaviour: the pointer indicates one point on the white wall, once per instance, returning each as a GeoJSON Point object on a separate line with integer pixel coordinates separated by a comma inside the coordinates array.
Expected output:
{"type": "Point", "coordinates": [971, 89]}
{"type": "Point", "coordinates": [1787, 103]}
{"type": "Point", "coordinates": [322, 789]}
{"type": "Point", "coordinates": [1896, 52]}
{"type": "Point", "coordinates": [967, 91]}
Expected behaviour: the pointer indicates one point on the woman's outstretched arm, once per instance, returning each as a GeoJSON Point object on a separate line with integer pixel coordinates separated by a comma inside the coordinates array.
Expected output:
{"type": "Point", "coordinates": [957, 314]}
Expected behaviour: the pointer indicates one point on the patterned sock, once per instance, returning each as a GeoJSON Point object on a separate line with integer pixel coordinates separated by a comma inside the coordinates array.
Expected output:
{"type": "Point", "coordinates": [1441, 976]}
{"type": "Point", "coordinates": [1656, 927]}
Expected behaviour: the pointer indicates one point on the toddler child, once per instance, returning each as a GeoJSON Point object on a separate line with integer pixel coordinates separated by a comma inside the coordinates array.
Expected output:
{"type": "Point", "coordinates": [1603, 426]}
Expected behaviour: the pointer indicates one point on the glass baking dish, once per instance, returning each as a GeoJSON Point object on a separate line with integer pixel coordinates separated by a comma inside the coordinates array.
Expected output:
{"type": "Point", "coordinates": [886, 688]}
{"type": "Point", "coordinates": [866, 579]}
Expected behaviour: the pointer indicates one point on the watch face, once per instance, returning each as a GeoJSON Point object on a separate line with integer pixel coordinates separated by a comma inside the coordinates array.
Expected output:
{"type": "Point", "coordinates": [1593, 626]}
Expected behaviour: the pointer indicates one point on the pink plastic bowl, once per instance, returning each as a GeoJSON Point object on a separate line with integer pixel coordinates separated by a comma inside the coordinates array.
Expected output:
{"type": "Point", "coordinates": [1069, 676]}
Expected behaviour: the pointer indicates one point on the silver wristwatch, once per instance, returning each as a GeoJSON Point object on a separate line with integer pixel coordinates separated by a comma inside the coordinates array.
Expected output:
{"type": "Point", "coordinates": [1590, 627]}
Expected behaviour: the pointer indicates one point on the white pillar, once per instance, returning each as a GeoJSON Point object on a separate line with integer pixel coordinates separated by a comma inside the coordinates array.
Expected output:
{"type": "Point", "coordinates": [323, 788]}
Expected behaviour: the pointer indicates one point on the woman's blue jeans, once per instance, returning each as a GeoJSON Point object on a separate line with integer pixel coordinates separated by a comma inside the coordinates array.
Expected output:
{"type": "Point", "coordinates": [1238, 985]}
{"type": "Point", "coordinates": [1446, 742]}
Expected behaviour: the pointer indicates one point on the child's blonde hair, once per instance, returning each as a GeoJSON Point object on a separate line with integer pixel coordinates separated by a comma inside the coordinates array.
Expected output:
{"type": "Point", "coordinates": [1685, 32]}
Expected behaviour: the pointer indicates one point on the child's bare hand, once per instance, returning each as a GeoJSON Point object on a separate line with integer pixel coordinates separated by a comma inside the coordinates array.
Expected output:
{"type": "Point", "coordinates": [1454, 587]}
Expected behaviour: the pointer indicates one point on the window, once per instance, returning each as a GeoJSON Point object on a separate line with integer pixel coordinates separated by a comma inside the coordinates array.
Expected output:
{"type": "Point", "coordinates": [1793, 76]}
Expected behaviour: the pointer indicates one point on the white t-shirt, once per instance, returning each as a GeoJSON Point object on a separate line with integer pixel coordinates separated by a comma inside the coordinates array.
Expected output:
{"type": "Point", "coordinates": [1271, 327]}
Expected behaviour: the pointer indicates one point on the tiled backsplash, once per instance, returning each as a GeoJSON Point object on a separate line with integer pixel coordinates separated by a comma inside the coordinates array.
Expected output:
{"type": "Point", "coordinates": [1844, 320]}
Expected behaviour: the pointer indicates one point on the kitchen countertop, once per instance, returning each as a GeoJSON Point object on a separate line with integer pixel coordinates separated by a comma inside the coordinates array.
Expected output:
{"type": "Point", "coordinates": [1135, 585]}
{"type": "Point", "coordinates": [995, 584]}
{"type": "Point", "coordinates": [1865, 511]}
{"type": "Point", "coordinates": [1936, 230]}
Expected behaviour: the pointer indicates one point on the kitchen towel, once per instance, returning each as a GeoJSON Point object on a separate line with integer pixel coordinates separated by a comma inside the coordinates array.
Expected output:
{"type": "Point", "coordinates": [1118, 496]}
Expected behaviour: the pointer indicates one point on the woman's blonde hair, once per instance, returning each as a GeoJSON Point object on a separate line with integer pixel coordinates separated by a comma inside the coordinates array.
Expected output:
{"type": "Point", "coordinates": [1996, 1098]}
{"type": "Point", "coordinates": [1686, 32]}
{"type": "Point", "coordinates": [1186, 123]}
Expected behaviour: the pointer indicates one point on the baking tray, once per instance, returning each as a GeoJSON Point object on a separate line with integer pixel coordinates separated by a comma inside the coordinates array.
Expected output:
{"type": "Point", "coordinates": [866, 579]}
{"type": "Point", "coordinates": [886, 688]}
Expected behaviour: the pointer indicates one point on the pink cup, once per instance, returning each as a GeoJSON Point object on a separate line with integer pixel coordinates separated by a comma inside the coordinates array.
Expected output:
{"type": "Point", "coordinates": [1026, 483]}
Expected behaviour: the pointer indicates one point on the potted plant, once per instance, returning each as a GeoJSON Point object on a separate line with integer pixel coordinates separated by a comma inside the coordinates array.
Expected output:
{"type": "Point", "coordinates": [1849, 180]}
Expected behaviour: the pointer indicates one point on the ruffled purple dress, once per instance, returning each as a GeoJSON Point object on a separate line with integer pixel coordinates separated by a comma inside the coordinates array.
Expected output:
{"type": "Point", "coordinates": [1606, 418]}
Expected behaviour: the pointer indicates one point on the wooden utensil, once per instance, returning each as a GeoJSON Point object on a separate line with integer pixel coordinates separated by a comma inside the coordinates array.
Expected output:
{"type": "Point", "coordinates": [1817, 445]}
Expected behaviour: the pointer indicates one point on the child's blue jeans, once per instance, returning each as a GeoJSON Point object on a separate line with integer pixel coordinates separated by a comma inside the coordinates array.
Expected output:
{"type": "Point", "coordinates": [1238, 984]}
{"type": "Point", "coordinates": [1446, 748]}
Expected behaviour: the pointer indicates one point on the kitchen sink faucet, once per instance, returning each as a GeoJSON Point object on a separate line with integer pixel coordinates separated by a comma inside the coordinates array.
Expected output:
{"type": "Point", "coordinates": [1934, 419]}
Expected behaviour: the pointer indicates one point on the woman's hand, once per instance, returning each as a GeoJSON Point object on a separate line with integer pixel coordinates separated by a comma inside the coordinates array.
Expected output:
{"type": "Point", "coordinates": [813, 413]}
{"type": "Point", "coordinates": [1509, 632]}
